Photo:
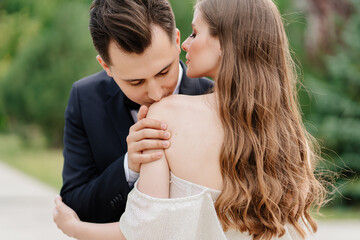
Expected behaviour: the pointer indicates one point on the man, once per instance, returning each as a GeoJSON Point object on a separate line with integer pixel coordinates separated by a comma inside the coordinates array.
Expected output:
{"type": "Point", "coordinates": [138, 48]}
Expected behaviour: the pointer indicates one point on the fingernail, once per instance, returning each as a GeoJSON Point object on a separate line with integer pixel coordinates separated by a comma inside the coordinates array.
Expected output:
{"type": "Point", "coordinates": [166, 134]}
{"type": "Point", "coordinates": [159, 154]}
{"type": "Point", "coordinates": [163, 126]}
{"type": "Point", "coordinates": [165, 143]}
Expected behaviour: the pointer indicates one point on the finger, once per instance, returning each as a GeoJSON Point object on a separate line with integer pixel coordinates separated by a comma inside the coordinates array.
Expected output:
{"type": "Point", "coordinates": [142, 112]}
{"type": "Point", "coordinates": [57, 200]}
{"type": "Point", "coordinates": [149, 144]}
{"type": "Point", "coordinates": [149, 157]}
{"type": "Point", "coordinates": [57, 197]}
{"type": "Point", "coordinates": [148, 123]}
{"type": "Point", "coordinates": [59, 203]}
{"type": "Point", "coordinates": [55, 213]}
{"type": "Point", "coordinates": [150, 134]}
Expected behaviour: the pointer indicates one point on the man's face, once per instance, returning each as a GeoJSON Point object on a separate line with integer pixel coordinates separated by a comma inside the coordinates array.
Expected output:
{"type": "Point", "coordinates": [150, 76]}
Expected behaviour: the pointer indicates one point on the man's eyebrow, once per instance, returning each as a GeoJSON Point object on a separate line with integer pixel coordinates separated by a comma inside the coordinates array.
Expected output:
{"type": "Point", "coordinates": [166, 67]}
{"type": "Point", "coordinates": [141, 79]}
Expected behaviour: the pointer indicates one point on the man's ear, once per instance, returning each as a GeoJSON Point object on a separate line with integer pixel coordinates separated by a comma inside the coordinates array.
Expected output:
{"type": "Point", "coordinates": [178, 39]}
{"type": "Point", "coordinates": [104, 65]}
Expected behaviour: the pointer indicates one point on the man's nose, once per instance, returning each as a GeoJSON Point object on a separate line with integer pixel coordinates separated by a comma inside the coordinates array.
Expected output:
{"type": "Point", "coordinates": [155, 91]}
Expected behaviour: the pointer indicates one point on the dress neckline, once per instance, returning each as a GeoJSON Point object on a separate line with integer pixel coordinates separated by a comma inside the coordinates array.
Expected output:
{"type": "Point", "coordinates": [173, 176]}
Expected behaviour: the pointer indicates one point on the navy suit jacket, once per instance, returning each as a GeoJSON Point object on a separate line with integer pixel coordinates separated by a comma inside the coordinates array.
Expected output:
{"type": "Point", "coordinates": [96, 126]}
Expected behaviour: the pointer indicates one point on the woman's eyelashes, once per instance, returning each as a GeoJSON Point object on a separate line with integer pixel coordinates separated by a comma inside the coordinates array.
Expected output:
{"type": "Point", "coordinates": [192, 35]}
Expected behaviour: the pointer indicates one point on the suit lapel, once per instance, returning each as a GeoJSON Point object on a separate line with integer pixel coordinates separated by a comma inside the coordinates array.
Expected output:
{"type": "Point", "coordinates": [120, 115]}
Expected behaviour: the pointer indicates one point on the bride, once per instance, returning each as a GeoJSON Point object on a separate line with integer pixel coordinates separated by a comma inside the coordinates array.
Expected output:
{"type": "Point", "coordinates": [241, 162]}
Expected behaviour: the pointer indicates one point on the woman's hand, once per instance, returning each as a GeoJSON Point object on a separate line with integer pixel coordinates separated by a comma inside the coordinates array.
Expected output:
{"type": "Point", "coordinates": [65, 218]}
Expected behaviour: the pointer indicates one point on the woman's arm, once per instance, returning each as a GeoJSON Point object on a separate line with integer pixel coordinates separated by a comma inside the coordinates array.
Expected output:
{"type": "Point", "coordinates": [96, 231]}
{"type": "Point", "coordinates": [67, 221]}
{"type": "Point", "coordinates": [154, 176]}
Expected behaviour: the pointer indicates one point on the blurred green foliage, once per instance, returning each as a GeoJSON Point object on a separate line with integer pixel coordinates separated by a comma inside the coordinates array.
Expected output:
{"type": "Point", "coordinates": [335, 110]}
{"type": "Point", "coordinates": [45, 46]}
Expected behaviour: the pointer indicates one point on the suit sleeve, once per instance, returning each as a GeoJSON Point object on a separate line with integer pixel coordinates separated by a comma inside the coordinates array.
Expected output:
{"type": "Point", "coordinates": [95, 197]}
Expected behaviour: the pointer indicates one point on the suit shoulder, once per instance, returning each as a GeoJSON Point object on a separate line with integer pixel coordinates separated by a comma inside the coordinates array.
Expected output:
{"type": "Point", "coordinates": [206, 81]}
{"type": "Point", "coordinates": [98, 83]}
{"type": "Point", "coordinates": [205, 85]}
{"type": "Point", "coordinates": [94, 79]}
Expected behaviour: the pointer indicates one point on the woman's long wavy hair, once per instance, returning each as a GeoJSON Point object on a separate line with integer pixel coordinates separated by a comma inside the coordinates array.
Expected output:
{"type": "Point", "coordinates": [267, 158]}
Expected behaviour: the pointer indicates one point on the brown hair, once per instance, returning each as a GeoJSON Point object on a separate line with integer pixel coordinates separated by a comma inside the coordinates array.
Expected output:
{"type": "Point", "coordinates": [267, 155]}
{"type": "Point", "coordinates": [128, 23]}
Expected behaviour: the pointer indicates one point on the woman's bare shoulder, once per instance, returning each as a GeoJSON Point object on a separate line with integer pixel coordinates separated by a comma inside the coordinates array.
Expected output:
{"type": "Point", "coordinates": [171, 106]}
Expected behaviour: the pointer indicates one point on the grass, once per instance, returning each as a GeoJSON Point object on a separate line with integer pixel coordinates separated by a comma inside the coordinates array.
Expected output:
{"type": "Point", "coordinates": [46, 165]}
{"type": "Point", "coordinates": [33, 159]}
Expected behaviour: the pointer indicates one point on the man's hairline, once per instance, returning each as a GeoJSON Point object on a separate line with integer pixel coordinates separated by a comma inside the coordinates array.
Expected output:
{"type": "Point", "coordinates": [173, 41]}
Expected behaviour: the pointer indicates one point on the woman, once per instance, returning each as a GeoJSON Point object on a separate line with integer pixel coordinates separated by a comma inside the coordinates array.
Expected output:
{"type": "Point", "coordinates": [241, 161]}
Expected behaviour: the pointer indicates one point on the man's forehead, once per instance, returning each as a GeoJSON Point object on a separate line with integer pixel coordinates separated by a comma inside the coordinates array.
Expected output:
{"type": "Point", "coordinates": [161, 53]}
{"type": "Point", "coordinates": [139, 75]}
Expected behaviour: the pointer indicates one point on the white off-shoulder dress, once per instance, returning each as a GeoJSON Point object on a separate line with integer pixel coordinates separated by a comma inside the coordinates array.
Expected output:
{"type": "Point", "coordinates": [188, 214]}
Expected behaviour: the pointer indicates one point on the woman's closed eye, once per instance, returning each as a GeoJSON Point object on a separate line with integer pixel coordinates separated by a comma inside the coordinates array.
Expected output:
{"type": "Point", "coordinates": [192, 35]}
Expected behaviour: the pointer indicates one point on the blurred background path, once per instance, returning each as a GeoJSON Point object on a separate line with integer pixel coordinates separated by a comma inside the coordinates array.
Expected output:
{"type": "Point", "coordinates": [26, 212]}
{"type": "Point", "coordinates": [26, 208]}
{"type": "Point", "coordinates": [338, 230]}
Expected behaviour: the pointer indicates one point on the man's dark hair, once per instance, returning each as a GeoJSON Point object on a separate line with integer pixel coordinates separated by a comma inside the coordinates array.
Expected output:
{"type": "Point", "coordinates": [128, 23]}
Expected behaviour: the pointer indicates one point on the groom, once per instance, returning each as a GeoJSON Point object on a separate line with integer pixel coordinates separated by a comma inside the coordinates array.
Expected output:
{"type": "Point", "coordinates": [138, 48]}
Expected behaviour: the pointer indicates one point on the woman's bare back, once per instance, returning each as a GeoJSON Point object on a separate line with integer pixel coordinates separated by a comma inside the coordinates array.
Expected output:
{"type": "Point", "coordinates": [196, 137]}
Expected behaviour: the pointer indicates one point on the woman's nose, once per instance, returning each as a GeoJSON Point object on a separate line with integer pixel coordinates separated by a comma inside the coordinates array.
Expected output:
{"type": "Point", "coordinates": [185, 45]}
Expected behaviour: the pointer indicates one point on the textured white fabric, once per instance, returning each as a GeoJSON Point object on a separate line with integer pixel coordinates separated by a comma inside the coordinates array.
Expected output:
{"type": "Point", "coordinates": [189, 214]}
